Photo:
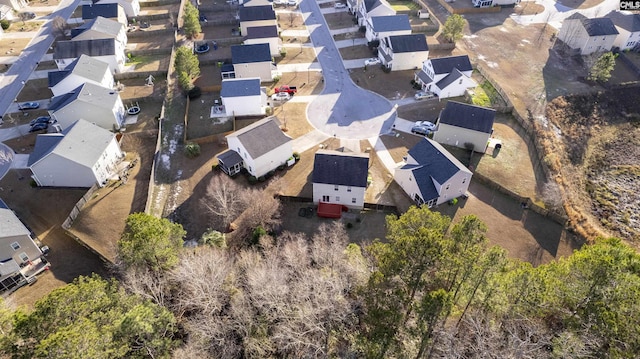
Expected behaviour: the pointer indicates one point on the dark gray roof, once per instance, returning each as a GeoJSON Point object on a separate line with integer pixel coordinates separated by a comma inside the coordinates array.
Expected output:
{"type": "Point", "coordinates": [449, 79]}
{"type": "Point", "coordinates": [95, 10]}
{"type": "Point", "coordinates": [576, 16]}
{"type": "Point", "coordinates": [629, 22]}
{"type": "Point", "coordinates": [75, 48]}
{"type": "Point", "coordinates": [3, 205]}
{"type": "Point", "coordinates": [243, 54]}
{"type": "Point", "coordinates": [230, 158]}
{"type": "Point", "coordinates": [390, 23]}
{"type": "Point", "coordinates": [261, 137]}
{"type": "Point", "coordinates": [61, 101]}
{"type": "Point", "coordinates": [256, 13]}
{"type": "Point", "coordinates": [444, 65]}
{"type": "Point", "coordinates": [468, 116]}
{"type": "Point", "coordinates": [422, 175]}
{"type": "Point", "coordinates": [599, 27]}
{"type": "Point", "coordinates": [433, 162]}
{"type": "Point", "coordinates": [262, 32]}
{"type": "Point", "coordinates": [424, 77]}
{"type": "Point", "coordinates": [44, 145]}
{"type": "Point", "coordinates": [408, 43]}
{"type": "Point", "coordinates": [80, 29]}
{"type": "Point", "coordinates": [240, 87]}
{"type": "Point", "coordinates": [56, 76]}
{"type": "Point", "coordinates": [338, 168]}
{"type": "Point", "coordinates": [371, 4]}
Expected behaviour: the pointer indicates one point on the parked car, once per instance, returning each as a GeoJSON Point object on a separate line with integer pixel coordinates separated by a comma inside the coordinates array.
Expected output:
{"type": "Point", "coordinates": [340, 5]}
{"type": "Point", "coordinates": [29, 105]}
{"type": "Point", "coordinates": [292, 2]}
{"type": "Point", "coordinates": [41, 119]}
{"type": "Point", "coordinates": [423, 128]}
{"type": "Point", "coordinates": [203, 18]}
{"type": "Point", "coordinates": [281, 96]}
{"type": "Point", "coordinates": [201, 48]}
{"type": "Point", "coordinates": [288, 89]}
{"type": "Point", "coordinates": [424, 95]}
{"type": "Point", "coordinates": [40, 126]}
{"type": "Point", "coordinates": [280, 2]}
{"type": "Point", "coordinates": [372, 61]}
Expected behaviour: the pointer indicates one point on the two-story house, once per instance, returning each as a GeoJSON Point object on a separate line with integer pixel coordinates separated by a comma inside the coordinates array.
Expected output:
{"type": "Point", "coordinates": [102, 106]}
{"type": "Point", "coordinates": [446, 76]}
{"type": "Point", "coordinates": [101, 28]}
{"type": "Point", "coordinates": [253, 61]}
{"type": "Point", "coordinates": [370, 8]}
{"type": "Point", "coordinates": [264, 35]}
{"type": "Point", "coordinates": [111, 11]}
{"type": "Point", "coordinates": [465, 126]}
{"type": "Point", "coordinates": [628, 26]}
{"type": "Point", "coordinates": [340, 178]}
{"type": "Point", "coordinates": [379, 27]}
{"type": "Point", "coordinates": [84, 69]}
{"type": "Point", "coordinates": [403, 52]}
{"type": "Point", "coordinates": [588, 35]}
{"type": "Point", "coordinates": [107, 50]}
{"type": "Point", "coordinates": [254, 16]}
{"type": "Point", "coordinates": [131, 7]}
{"type": "Point", "coordinates": [243, 97]}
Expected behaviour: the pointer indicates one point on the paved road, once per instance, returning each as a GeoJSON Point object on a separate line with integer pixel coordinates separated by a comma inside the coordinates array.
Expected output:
{"type": "Point", "coordinates": [12, 81]}
{"type": "Point", "coordinates": [342, 110]}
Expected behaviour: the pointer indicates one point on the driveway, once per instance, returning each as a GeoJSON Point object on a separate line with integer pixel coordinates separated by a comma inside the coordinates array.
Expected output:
{"type": "Point", "coordinates": [342, 110]}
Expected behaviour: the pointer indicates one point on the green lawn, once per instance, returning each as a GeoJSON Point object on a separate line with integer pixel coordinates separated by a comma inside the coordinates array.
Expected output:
{"type": "Point", "coordinates": [404, 5]}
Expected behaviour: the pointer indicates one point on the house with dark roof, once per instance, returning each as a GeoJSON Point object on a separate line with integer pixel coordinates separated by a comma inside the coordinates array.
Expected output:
{"type": "Point", "coordinates": [131, 7]}
{"type": "Point", "coordinates": [111, 11]}
{"type": "Point", "coordinates": [108, 50]}
{"type": "Point", "coordinates": [403, 52]}
{"type": "Point", "coordinates": [243, 97]}
{"type": "Point", "coordinates": [340, 178]}
{"type": "Point", "coordinates": [82, 155]}
{"type": "Point", "coordinates": [628, 26]}
{"type": "Point", "coordinates": [379, 27]}
{"type": "Point", "coordinates": [251, 61]}
{"type": "Point", "coordinates": [264, 35]}
{"type": "Point", "coordinates": [465, 126]}
{"type": "Point", "coordinates": [586, 35]}
{"type": "Point", "coordinates": [446, 76]}
{"type": "Point", "coordinates": [101, 28]}
{"type": "Point", "coordinates": [254, 16]}
{"type": "Point", "coordinates": [99, 105]}
{"type": "Point", "coordinates": [431, 175]}
{"type": "Point", "coordinates": [370, 8]}
{"type": "Point", "coordinates": [259, 148]}
{"type": "Point", "coordinates": [84, 69]}
{"type": "Point", "coordinates": [250, 3]}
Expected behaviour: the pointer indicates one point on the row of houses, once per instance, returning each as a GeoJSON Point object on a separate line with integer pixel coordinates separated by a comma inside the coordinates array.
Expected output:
{"type": "Point", "coordinates": [615, 30]}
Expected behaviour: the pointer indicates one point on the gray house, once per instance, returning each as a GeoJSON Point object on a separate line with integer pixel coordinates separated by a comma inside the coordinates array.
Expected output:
{"type": "Point", "coordinates": [253, 61]}
{"type": "Point", "coordinates": [108, 50]}
{"type": "Point", "coordinates": [465, 126]}
{"type": "Point", "coordinates": [403, 52]}
{"type": "Point", "coordinates": [378, 27]}
{"type": "Point", "coordinates": [84, 69]}
{"type": "Point", "coordinates": [99, 105]}
{"type": "Point", "coordinates": [253, 16]}
{"type": "Point", "coordinates": [264, 34]}
{"type": "Point", "coordinates": [110, 11]}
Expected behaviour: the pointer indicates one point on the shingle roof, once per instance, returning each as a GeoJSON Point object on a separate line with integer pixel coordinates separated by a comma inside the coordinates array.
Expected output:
{"type": "Point", "coordinates": [44, 145]}
{"type": "Point", "coordinates": [372, 4]}
{"type": "Point", "coordinates": [54, 77]}
{"type": "Point", "coordinates": [85, 66]}
{"type": "Point", "coordinates": [104, 10]}
{"type": "Point", "coordinates": [58, 102]}
{"type": "Point", "coordinates": [261, 137]}
{"type": "Point", "coordinates": [73, 49]}
{"type": "Point", "coordinates": [82, 142]}
{"type": "Point", "coordinates": [629, 22]}
{"type": "Point", "coordinates": [424, 77]}
{"type": "Point", "coordinates": [262, 32]}
{"type": "Point", "coordinates": [256, 13]}
{"type": "Point", "coordinates": [243, 54]}
{"type": "Point", "coordinates": [88, 92]}
{"type": "Point", "coordinates": [249, 3]}
{"type": "Point", "coordinates": [444, 65]}
{"type": "Point", "coordinates": [468, 116]}
{"type": "Point", "coordinates": [98, 28]}
{"type": "Point", "coordinates": [449, 79]}
{"type": "Point", "coordinates": [390, 23]}
{"type": "Point", "coordinates": [599, 27]}
{"type": "Point", "coordinates": [434, 161]}
{"type": "Point", "coordinates": [10, 224]}
{"type": "Point", "coordinates": [230, 158]}
{"type": "Point", "coordinates": [408, 43]}
{"type": "Point", "coordinates": [339, 168]}
{"type": "Point", "coordinates": [240, 87]}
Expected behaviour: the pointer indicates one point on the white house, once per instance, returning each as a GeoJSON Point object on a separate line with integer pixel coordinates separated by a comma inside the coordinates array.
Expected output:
{"type": "Point", "coordinates": [254, 16]}
{"type": "Point", "coordinates": [378, 27]}
{"type": "Point", "coordinates": [101, 28]}
{"type": "Point", "coordinates": [251, 61]}
{"type": "Point", "coordinates": [340, 178]}
{"type": "Point", "coordinates": [243, 97]}
{"type": "Point", "coordinates": [84, 69]}
{"type": "Point", "coordinates": [490, 3]}
{"type": "Point", "coordinates": [111, 11]}
{"type": "Point", "coordinates": [259, 148]}
{"type": "Point", "coordinates": [80, 156]}
{"type": "Point", "coordinates": [264, 35]}
{"type": "Point", "coordinates": [353, 6]}
{"type": "Point", "coordinates": [628, 26]}
{"type": "Point", "coordinates": [249, 3]}
{"type": "Point", "coordinates": [446, 76]}
{"type": "Point", "coordinates": [370, 8]}
{"type": "Point", "coordinates": [99, 105]}
{"type": "Point", "coordinates": [463, 125]}
{"type": "Point", "coordinates": [588, 35]}
{"type": "Point", "coordinates": [108, 50]}
{"type": "Point", "coordinates": [403, 52]}
{"type": "Point", "coordinates": [131, 7]}
{"type": "Point", "coordinates": [17, 248]}
{"type": "Point", "coordinates": [431, 175]}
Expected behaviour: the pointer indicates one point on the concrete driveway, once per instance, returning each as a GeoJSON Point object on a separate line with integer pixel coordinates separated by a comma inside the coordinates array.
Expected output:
{"type": "Point", "coordinates": [342, 110]}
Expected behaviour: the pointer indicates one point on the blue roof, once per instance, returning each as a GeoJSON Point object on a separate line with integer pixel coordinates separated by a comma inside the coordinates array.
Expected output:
{"type": "Point", "coordinates": [229, 158]}
{"type": "Point", "coordinates": [243, 54]}
{"type": "Point", "coordinates": [256, 13]}
{"type": "Point", "coordinates": [433, 162]}
{"type": "Point", "coordinates": [599, 26]}
{"type": "Point", "coordinates": [428, 190]}
{"type": "Point", "coordinates": [55, 77]}
{"type": "Point", "coordinates": [390, 23]}
{"type": "Point", "coordinates": [449, 79]}
{"type": "Point", "coordinates": [408, 43]}
{"type": "Point", "coordinates": [240, 87]}
{"type": "Point", "coordinates": [337, 168]}
{"type": "Point", "coordinates": [61, 101]}
{"type": "Point", "coordinates": [104, 10]}
{"type": "Point", "coordinates": [262, 32]}
{"type": "Point", "coordinates": [45, 143]}
{"type": "Point", "coordinates": [444, 65]}
{"type": "Point", "coordinates": [468, 116]}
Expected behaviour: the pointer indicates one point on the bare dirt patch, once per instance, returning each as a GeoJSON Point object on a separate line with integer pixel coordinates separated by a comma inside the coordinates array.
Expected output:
{"type": "Point", "coordinates": [27, 26]}
{"type": "Point", "coordinates": [152, 42]}
{"type": "Point", "coordinates": [307, 82]}
{"type": "Point", "coordinates": [349, 36]}
{"type": "Point", "coordinates": [13, 47]}
{"type": "Point", "coordinates": [527, 8]}
{"type": "Point", "coordinates": [293, 117]}
{"type": "Point", "coordinates": [394, 85]}
{"type": "Point", "coordinates": [339, 20]}
{"type": "Point", "coordinates": [200, 124]}
{"type": "Point", "coordinates": [219, 32]}
{"type": "Point", "coordinates": [291, 21]}
{"type": "Point", "coordinates": [35, 90]}
{"type": "Point", "coordinates": [356, 52]}
{"type": "Point", "coordinates": [151, 62]}
{"type": "Point", "coordinates": [303, 55]}
{"type": "Point", "coordinates": [136, 89]}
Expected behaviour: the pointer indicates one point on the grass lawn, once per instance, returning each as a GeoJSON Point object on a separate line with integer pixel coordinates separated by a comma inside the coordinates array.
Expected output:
{"type": "Point", "coordinates": [404, 5]}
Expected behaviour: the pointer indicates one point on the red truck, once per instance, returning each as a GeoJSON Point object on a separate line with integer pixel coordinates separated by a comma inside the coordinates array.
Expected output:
{"type": "Point", "coordinates": [288, 89]}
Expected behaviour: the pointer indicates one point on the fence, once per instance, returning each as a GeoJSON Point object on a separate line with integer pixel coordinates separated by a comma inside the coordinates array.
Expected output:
{"type": "Point", "coordinates": [155, 3]}
{"type": "Point", "coordinates": [372, 206]}
{"type": "Point", "coordinates": [425, 28]}
{"type": "Point", "coordinates": [445, 46]}
{"type": "Point", "coordinates": [143, 34]}
{"type": "Point", "coordinates": [468, 10]}
{"type": "Point", "coordinates": [217, 8]}
{"type": "Point", "coordinates": [147, 18]}
{"type": "Point", "coordinates": [137, 75]}
{"type": "Point", "coordinates": [163, 51]}
{"type": "Point", "coordinates": [78, 207]}
{"type": "Point", "coordinates": [633, 67]}
{"type": "Point", "coordinates": [220, 22]}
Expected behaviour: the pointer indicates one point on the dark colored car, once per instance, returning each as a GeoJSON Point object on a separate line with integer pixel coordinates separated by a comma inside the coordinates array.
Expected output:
{"type": "Point", "coordinates": [41, 119]}
{"type": "Point", "coordinates": [40, 126]}
{"type": "Point", "coordinates": [203, 18]}
{"type": "Point", "coordinates": [29, 105]}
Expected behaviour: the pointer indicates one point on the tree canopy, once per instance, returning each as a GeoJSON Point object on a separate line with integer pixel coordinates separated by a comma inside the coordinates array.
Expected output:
{"type": "Point", "coordinates": [602, 68]}
{"type": "Point", "coordinates": [187, 67]}
{"type": "Point", "coordinates": [453, 28]}
{"type": "Point", "coordinates": [191, 20]}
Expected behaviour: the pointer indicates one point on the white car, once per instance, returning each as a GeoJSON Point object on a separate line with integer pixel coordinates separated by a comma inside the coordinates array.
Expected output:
{"type": "Point", "coordinates": [422, 95]}
{"type": "Point", "coordinates": [372, 61]}
{"type": "Point", "coordinates": [340, 5]}
{"type": "Point", "coordinates": [423, 128]}
{"type": "Point", "coordinates": [292, 2]}
{"type": "Point", "coordinates": [281, 96]}
{"type": "Point", "coordinates": [280, 2]}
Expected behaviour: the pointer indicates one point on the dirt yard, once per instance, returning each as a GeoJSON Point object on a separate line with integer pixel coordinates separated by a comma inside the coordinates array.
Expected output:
{"type": "Point", "coordinates": [291, 20]}
{"type": "Point", "coordinates": [339, 20]}
{"type": "Point", "coordinates": [13, 47]}
{"type": "Point", "coordinates": [356, 52]}
{"type": "Point", "coordinates": [137, 90]}
{"type": "Point", "coordinates": [303, 55]}
{"type": "Point", "coordinates": [394, 85]}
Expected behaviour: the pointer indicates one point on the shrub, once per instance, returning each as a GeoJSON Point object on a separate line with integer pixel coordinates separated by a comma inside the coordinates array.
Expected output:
{"type": "Point", "coordinates": [283, 52]}
{"type": "Point", "coordinates": [215, 166]}
{"type": "Point", "coordinates": [4, 23]}
{"type": "Point", "coordinates": [257, 233]}
{"type": "Point", "coordinates": [252, 180]}
{"type": "Point", "coordinates": [296, 155]}
{"type": "Point", "coordinates": [385, 69]}
{"type": "Point", "coordinates": [349, 225]}
{"type": "Point", "coordinates": [276, 79]}
{"type": "Point", "coordinates": [192, 150]}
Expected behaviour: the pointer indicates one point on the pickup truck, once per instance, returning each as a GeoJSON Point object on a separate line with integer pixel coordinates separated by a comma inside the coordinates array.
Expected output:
{"type": "Point", "coordinates": [288, 89]}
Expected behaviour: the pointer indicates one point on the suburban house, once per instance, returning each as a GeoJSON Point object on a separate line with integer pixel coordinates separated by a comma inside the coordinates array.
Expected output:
{"type": "Point", "coordinates": [628, 26]}
{"type": "Point", "coordinates": [243, 97]}
{"type": "Point", "coordinates": [353, 6]}
{"type": "Point", "coordinates": [83, 70]}
{"type": "Point", "coordinates": [490, 3]}
{"type": "Point", "coordinates": [446, 76]}
{"type": "Point", "coordinates": [101, 28]}
{"type": "Point", "coordinates": [248, 3]}
{"type": "Point", "coordinates": [253, 61]}
{"type": "Point", "coordinates": [259, 148]}
{"type": "Point", "coordinates": [378, 27]}
{"type": "Point", "coordinates": [18, 250]}
{"type": "Point", "coordinates": [340, 178]}
{"type": "Point", "coordinates": [80, 156]}
{"type": "Point", "coordinates": [403, 52]}
{"type": "Point", "coordinates": [131, 7]}
{"type": "Point", "coordinates": [588, 35]}
{"type": "Point", "coordinates": [254, 16]}
{"type": "Point", "coordinates": [108, 50]}
{"type": "Point", "coordinates": [100, 105]}
{"type": "Point", "coordinates": [264, 35]}
{"type": "Point", "coordinates": [370, 8]}
{"type": "Point", "coordinates": [465, 126]}
{"type": "Point", "coordinates": [431, 175]}
{"type": "Point", "coordinates": [110, 11]}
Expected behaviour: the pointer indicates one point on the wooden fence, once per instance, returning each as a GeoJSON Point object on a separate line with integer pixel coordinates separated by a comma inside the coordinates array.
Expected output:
{"type": "Point", "coordinates": [162, 51]}
{"type": "Point", "coordinates": [75, 211]}
{"type": "Point", "coordinates": [139, 74]}
{"type": "Point", "coordinates": [155, 3]}
{"type": "Point", "coordinates": [144, 33]}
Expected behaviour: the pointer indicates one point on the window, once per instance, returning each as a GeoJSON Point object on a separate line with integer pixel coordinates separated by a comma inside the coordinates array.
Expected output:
{"type": "Point", "coordinates": [335, 188]}
{"type": "Point", "coordinates": [460, 82]}
{"type": "Point", "coordinates": [15, 246]}
{"type": "Point", "coordinates": [325, 199]}
{"type": "Point", "coordinates": [24, 257]}
{"type": "Point", "coordinates": [464, 180]}
{"type": "Point", "coordinates": [348, 189]}
{"type": "Point", "coordinates": [447, 187]}
{"type": "Point", "coordinates": [337, 198]}
{"type": "Point", "coordinates": [353, 200]}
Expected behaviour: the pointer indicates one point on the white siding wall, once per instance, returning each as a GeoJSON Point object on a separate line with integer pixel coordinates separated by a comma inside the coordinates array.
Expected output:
{"type": "Point", "coordinates": [243, 106]}
{"type": "Point", "coordinates": [255, 69]}
{"type": "Point", "coordinates": [404, 178]}
{"type": "Point", "coordinates": [102, 117]}
{"type": "Point", "coordinates": [455, 187]}
{"type": "Point", "coordinates": [408, 60]}
{"type": "Point", "coordinates": [575, 36]}
{"type": "Point", "coordinates": [458, 136]}
{"type": "Point", "coordinates": [56, 171]}
{"type": "Point", "coordinates": [106, 165]}
{"type": "Point", "coordinates": [245, 24]}
{"type": "Point", "coordinates": [455, 89]}
{"type": "Point", "coordinates": [274, 44]}
{"type": "Point", "coordinates": [344, 195]}
{"type": "Point", "coordinates": [598, 44]}
{"type": "Point", "coordinates": [72, 82]}
{"type": "Point", "coordinates": [626, 40]}
{"type": "Point", "coordinates": [271, 160]}
{"type": "Point", "coordinates": [27, 246]}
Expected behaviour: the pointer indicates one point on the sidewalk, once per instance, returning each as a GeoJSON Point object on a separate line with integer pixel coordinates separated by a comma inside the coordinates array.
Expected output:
{"type": "Point", "coordinates": [308, 141]}
{"type": "Point", "coordinates": [346, 30]}
{"type": "Point", "coordinates": [383, 155]}
{"type": "Point", "coordinates": [294, 33]}
{"type": "Point", "coordinates": [40, 74]}
{"type": "Point", "coordinates": [351, 42]}
{"type": "Point", "coordinates": [19, 35]}
{"type": "Point", "coordinates": [314, 66]}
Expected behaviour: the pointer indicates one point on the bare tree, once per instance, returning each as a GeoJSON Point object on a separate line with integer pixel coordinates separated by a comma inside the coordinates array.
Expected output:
{"type": "Point", "coordinates": [224, 200]}
{"type": "Point", "coordinates": [59, 26]}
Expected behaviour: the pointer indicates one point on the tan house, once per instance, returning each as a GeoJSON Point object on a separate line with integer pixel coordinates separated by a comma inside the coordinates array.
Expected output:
{"type": "Point", "coordinates": [465, 126]}
{"type": "Point", "coordinates": [588, 35]}
{"type": "Point", "coordinates": [254, 16]}
{"type": "Point", "coordinates": [253, 61]}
